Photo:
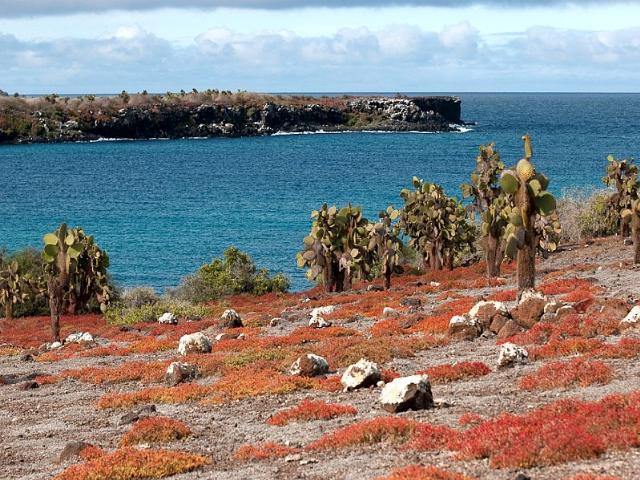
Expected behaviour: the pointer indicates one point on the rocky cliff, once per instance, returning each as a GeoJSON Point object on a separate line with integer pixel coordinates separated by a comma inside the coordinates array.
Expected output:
{"type": "Point", "coordinates": [56, 120]}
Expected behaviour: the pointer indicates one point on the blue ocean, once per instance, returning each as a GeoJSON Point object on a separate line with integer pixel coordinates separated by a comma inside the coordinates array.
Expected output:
{"type": "Point", "coordinates": [162, 208]}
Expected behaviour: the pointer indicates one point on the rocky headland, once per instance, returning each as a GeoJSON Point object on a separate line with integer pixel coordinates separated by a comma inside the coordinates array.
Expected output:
{"type": "Point", "coordinates": [215, 114]}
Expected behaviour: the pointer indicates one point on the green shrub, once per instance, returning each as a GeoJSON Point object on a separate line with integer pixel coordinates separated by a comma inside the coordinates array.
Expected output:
{"type": "Point", "coordinates": [587, 215]}
{"type": "Point", "coordinates": [122, 315]}
{"type": "Point", "coordinates": [235, 273]}
{"type": "Point", "coordinates": [138, 297]}
{"type": "Point", "coordinates": [30, 267]}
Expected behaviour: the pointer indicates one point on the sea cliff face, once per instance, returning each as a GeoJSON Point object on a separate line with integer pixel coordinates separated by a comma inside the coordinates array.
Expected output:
{"type": "Point", "coordinates": [143, 117]}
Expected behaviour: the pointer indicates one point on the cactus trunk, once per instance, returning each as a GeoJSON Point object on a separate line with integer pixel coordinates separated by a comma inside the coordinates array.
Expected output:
{"type": "Point", "coordinates": [8, 311]}
{"type": "Point", "coordinates": [387, 279]}
{"type": "Point", "coordinates": [635, 235]}
{"type": "Point", "coordinates": [494, 253]}
{"type": "Point", "coordinates": [527, 252]}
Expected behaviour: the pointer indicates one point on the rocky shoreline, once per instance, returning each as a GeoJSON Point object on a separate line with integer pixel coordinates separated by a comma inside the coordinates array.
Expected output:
{"type": "Point", "coordinates": [53, 120]}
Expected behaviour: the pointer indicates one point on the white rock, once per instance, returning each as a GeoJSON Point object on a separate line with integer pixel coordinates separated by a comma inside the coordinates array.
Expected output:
{"type": "Point", "coordinates": [275, 322]}
{"type": "Point", "coordinates": [458, 320]}
{"type": "Point", "coordinates": [79, 337]}
{"type": "Point", "coordinates": [499, 306]}
{"type": "Point", "coordinates": [194, 343]}
{"type": "Point", "coordinates": [326, 310]}
{"type": "Point", "coordinates": [434, 284]}
{"type": "Point", "coordinates": [179, 372]}
{"type": "Point", "coordinates": [319, 322]}
{"type": "Point", "coordinates": [309, 365]}
{"type": "Point", "coordinates": [407, 393]}
{"type": "Point", "coordinates": [54, 346]}
{"type": "Point", "coordinates": [511, 354]}
{"type": "Point", "coordinates": [633, 317]}
{"type": "Point", "coordinates": [168, 318]}
{"type": "Point", "coordinates": [527, 294]}
{"type": "Point", "coordinates": [361, 374]}
{"type": "Point", "coordinates": [230, 319]}
{"type": "Point", "coordinates": [552, 307]}
{"type": "Point", "coordinates": [389, 312]}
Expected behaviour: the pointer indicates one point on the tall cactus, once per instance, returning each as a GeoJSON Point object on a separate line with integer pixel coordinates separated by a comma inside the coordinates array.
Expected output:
{"type": "Point", "coordinates": [531, 200]}
{"type": "Point", "coordinates": [491, 204]}
{"type": "Point", "coordinates": [621, 174]}
{"type": "Point", "coordinates": [75, 270]}
{"type": "Point", "coordinates": [335, 250]}
{"type": "Point", "coordinates": [385, 243]}
{"type": "Point", "coordinates": [437, 224]}
{"type": "Point", "coordinates": [14, 288]}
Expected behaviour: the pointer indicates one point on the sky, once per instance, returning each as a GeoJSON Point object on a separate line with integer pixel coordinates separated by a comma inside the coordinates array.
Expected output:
{"type": "Point", "coordinates": [106, 46]}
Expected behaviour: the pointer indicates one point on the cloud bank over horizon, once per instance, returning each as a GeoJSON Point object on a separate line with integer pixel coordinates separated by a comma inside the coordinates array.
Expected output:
{"type": "Point", "coordinates": [396, 58]}
{"type": "Point", "coordinates": [36, 8]}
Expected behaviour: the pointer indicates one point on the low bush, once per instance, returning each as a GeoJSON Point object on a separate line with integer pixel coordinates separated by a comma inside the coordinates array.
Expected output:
{"type": "Point", "coordinates": [457, 371]}
{"type": "Point", "coordinates": [423, 472]}
{"type": "Point", "coordinates": [585, 216]}
{"type": "Point", "coordinates": [368, 432]}
{"type": "Point", "coordinates": [576, 372]}
{"type": "Point", "coordinates": [311, 410]}
{"type": "Point", "coordinates": [134, 464]}
{"type": "Point", "coordinates": [155, 430]}
{"type": "Point", "coordinates": [233, 274]}
{"type": "Point", "coordinates": [121, 315]}
{"type": "Point", "coordinates": [138, 297]}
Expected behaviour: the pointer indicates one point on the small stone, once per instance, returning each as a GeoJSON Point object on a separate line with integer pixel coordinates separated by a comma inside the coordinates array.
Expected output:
{"type": "Point", "coordinates": [632, 319]}
{"type": "Point", "coordinates": [565, 310]}
{"type": "Point", "coordinates": [326, 310]}
{"type": "Point", "coordinates": [389, 312]}
{"type": "Point", "coordinates": [375, 288]}
{"type": "Point", "coordinates": [411, 302]}
{"type": "Point", "coordinates": [79, 337]}
{"type": "Point", "coordinates": [194, 343]}
{"type": "Point", "coordinates": [136, 415]}
{"type": "Point", "coordinates": [380, 383]}
{"type": "Point", "coordinates": [28, 385]}
{"type": "Point", "coordinates": [168, 318]}
{"type": "Point", "coordinates": [26, 357]}
{"type": "Point", "coordinates": [275, 322]}
{"type": "Point", "coordinates": [361, 374]}
{"type": "Point", "coordinates": [552, 307]}
{"type": "Point", "coordinates": [318, 322]}
{"type": "Point", "coordinates": [230, 319]}
{"type": "Point", "coordinates": [549, 317]}
{"type": "Point", "coordinates": [488, 308]}
{"type": "Point", "coordinates": [307, 461]}
{"type": "Point", "coordinates": [309, 365]}
{"type": "Point", "coordinates": [229, 336]}
{"type": "Point", "coordinates": [511, 354]}
{"type": "Point", "coordinates": [509, 329]}
{"type": "Point", "coordinates": [71, 450]}
{"type": "Point", "coordinates": [295, 457]}
{"type": "Point", "coordinates": [179, 372]}
{"type": "Point", "coordinates": [463, 327]}
{"type": "Point", "coordinates": [434, 284]}
{"type": "Point", "coordinates": [627, 242]}
{"type": "Point", "coordinates": [54, 346]}
{"type": "Point", "coordinates": [530, 293]}
{"type": "Point", "coordinates": [407, 393]}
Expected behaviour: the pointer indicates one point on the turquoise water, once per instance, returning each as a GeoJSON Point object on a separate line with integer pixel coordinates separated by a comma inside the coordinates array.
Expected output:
{"type": "Point", "coordinates": [162, 208]}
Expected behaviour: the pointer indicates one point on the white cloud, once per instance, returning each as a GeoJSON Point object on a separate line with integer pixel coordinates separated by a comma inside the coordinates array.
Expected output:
{"type": "Point", "coordinates": [396, 58]}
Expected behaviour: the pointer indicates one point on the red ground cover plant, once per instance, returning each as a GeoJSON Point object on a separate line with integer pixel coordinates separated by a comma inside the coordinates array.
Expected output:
{"type": "Point", "coordinates": [625, 348]}
{"type": "Point", "coordinates": [563, 431]}
{"type": "Point", "coordinates": [155, 430]}
{"type": "Point", "coordinates": [575, 372]}
{"type": "Point", "coordinates": [427, 437]}
{"type": "Point", "coordinates": [382, 429]}
{"type": "Point", "coordinates": [263, 451]}
{"type": "Point", "coordinates": [147, 372]}
{"type": "Point", "coordinates": [426, 472]}
{"type": "Point", "coordinates": [311, 410]}
{"type": "Point", "coordinates": [91, 452]}
{"type": "Point", "coordinates": [184, 393]}
{"type": "Point", "coordinates": [438, 322]}
{"type": "Point", "coordinates": [504, 295]}
{"type": "Point", "coordinates": [566, 285]}
{"type": "Point", "coordinates": [458, 371]}
{"type": "Point", "coordinates": [134, 464]}
{"type": "Point", "coordinates": [469, 418]}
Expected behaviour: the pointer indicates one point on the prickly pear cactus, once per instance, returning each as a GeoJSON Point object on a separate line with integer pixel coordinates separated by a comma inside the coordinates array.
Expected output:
{"type": "Point", "coordinates": [437, 224]}
{"type": "Point", "coordinates": [526, 232]}
{"type": "Point", "coordinates": [14, 288]}
{"type": "Point", "coordinates": [76, 272]}
{"type": "Point", "coordinates": [491, 204]}
{"type": "Point", "coordinates": [385, 243]}
{"type": "Point", "coordinates": [335, 251]}
{"type": "Point", "coordinates": [621, 175]}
